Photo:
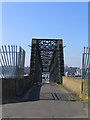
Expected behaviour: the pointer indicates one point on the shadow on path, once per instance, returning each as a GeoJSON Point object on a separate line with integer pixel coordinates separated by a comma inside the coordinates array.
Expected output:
{"type": "Point", "coordinates": [33, 94]}
{"type": "Point", "coordinates": [48, 92]}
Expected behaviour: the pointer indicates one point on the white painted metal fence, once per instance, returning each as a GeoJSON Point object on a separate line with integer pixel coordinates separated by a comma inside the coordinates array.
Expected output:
{"type": "Point", "coordinates": [12, 59]}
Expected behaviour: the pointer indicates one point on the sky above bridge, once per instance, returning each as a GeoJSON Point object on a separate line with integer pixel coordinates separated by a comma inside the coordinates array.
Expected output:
{"type": "Point", "coordinates": [69, 21]}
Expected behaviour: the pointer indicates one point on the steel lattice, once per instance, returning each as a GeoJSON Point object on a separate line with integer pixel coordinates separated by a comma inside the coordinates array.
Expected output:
{"type": "Point", "coordinates": [47, 48]}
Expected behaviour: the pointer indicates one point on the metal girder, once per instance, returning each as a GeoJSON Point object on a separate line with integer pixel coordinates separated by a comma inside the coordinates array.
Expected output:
{"type": "Point", "coordinates": [46, 47]}
{"type": "Point", "coordinates": [47, 56]}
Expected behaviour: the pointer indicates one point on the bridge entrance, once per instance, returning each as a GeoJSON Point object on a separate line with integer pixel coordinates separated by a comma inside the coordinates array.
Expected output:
{"type": "Point", "coordinates": [47, 57]}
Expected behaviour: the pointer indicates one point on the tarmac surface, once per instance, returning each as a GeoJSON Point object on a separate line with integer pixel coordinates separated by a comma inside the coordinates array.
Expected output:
{"type": "Point", "coordinates": [46, 101]}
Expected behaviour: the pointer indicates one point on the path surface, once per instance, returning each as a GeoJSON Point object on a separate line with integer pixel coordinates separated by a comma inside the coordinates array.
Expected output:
{"type": "Point", "coordinates": [47, 101]}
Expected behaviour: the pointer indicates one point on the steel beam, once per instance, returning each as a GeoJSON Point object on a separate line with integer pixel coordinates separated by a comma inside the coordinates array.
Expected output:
{"type": "Point", "coordinates": [47, 56]}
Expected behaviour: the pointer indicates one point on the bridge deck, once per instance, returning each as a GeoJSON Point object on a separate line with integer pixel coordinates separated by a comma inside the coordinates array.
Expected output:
{"type": "Point", "coordinates": [51, 92]}
{"type": "Point", "coordinates": [49, 102]}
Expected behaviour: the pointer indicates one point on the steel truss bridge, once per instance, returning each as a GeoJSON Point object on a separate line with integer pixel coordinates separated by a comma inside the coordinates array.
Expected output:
{"type": "Point", "coordinates": [47, 56]}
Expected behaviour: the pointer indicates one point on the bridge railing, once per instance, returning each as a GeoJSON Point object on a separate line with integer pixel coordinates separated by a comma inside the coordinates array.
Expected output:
{"type": "Point", "coordinates": [86, 63]}
{"type": "Point", "coordinates": [12, 59]}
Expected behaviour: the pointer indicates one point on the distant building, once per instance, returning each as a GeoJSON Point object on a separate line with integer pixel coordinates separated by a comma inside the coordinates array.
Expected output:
{"type": "Point", "coordinates": [66, 67]}
{"type": "Point", "coordinates": [78, 72]}
{"type": "Point", "coordinates": [72, 71]}
{"type": "Point", "coordinates": [66, 74]}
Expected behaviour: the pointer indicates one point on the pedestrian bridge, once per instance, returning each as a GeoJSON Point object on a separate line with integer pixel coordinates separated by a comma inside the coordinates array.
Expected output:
{"type": "Point", "coordinates": [47, 56]}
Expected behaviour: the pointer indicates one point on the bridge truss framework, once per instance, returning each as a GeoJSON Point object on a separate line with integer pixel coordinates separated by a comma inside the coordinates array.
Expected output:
{"type": "Point", "coordinates": [47, 56]}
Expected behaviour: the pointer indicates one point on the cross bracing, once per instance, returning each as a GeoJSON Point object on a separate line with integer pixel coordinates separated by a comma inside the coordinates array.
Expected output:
{"type": "Point", "coordinates": [47, 56]}
{"type": "Point", "coordinates": [47, 48]}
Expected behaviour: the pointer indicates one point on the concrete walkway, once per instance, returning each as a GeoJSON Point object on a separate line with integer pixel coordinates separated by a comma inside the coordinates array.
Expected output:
{"type": "Point", "coordinates": [50, 91]}
{"type": "Point", "coordinates": [47, 101]}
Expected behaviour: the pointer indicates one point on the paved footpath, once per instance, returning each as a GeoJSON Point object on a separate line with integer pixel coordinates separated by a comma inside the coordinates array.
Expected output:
{"type": "Point", "coordinates": [51, 92]}
{"type": "Point", "coordinates": [47, 101]}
